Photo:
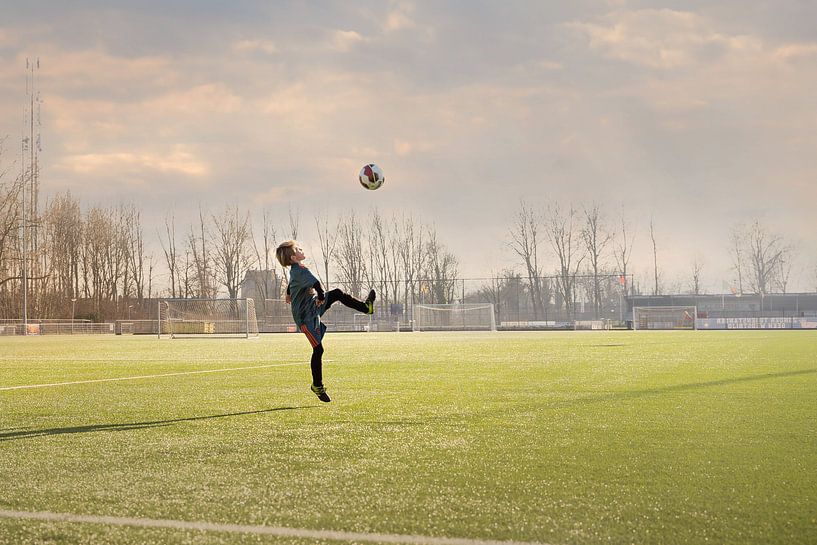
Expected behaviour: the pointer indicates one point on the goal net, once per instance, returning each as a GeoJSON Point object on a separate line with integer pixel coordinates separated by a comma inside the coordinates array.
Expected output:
{"type": "Point", "coordinates": [467, 316]}
{"type": "Point", "coordinates": [207, 318]}
{"type": "Point", "coordinates": [676, 317]}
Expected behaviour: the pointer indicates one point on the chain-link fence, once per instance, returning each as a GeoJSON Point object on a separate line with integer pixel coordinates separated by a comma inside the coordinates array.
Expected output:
{"type": "Point", "coordinates": [519, 303]}
{"type": "Point", "coordinates": [741, 311]}
{"type": "Point", "coordinates": [54, 327]}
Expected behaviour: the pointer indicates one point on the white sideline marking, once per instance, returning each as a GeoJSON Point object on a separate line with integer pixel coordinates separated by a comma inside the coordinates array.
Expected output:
{"type": "Point", "coordinates": [277, 531]}
{"type": "Point", "coordinates": [138, 377]}
{"type": "Point", "coordinates": [105, 359]}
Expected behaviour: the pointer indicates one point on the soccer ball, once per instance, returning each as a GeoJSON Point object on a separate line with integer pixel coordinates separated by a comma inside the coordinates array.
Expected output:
{"type": "Point", "coordinates": [371, 176]}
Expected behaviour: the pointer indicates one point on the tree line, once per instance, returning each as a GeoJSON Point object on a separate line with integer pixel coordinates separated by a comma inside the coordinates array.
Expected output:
{"type": "Point", "coordinates": [589, 246]}
{"type": "Point", "coordinates": [97, 263]}
{"type": "Point", "coordinates": [400, 256]}
{"type": "Point", "coordinates": [99, 259]}
{"type": "Point", "coordinates": [66, 254]}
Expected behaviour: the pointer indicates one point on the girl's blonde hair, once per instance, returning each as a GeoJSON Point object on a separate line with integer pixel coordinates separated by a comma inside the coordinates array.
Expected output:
{"type": "Point", "coordinates": [285, 251]}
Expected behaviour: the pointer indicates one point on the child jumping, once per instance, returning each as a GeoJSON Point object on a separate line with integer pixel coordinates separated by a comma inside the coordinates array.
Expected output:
{"type": "Point", "coordinates": [309, 302]}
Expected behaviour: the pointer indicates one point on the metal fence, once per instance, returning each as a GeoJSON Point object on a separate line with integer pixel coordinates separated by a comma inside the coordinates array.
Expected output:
{"type": "Point", "coordinates": [516, 308]}
{"type": "Point", "coordinates": [778, 305]}
{"type": "Point", "coordinates": [54, 327]}
{"type": "Point", "coordinates": [518, 305]}
{"type": "Point", "coordinates": [519, 302]}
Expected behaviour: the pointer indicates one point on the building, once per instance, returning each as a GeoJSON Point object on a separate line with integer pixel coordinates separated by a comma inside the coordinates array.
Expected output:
{"type": "Point", "coordinates": [260, 286]}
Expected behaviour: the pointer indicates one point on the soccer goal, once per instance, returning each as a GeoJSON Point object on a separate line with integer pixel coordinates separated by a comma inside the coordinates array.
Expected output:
{"type": "Point", "coordinates": [207, 318]}
{"type": "Point", "coordinates": [675, 317]}
{"type": "Point", "coordinates": [454, 317]}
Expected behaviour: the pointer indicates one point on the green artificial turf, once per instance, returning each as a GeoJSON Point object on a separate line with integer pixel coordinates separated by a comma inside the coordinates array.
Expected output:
{"type": "Point", "coordinates": [558, 438]}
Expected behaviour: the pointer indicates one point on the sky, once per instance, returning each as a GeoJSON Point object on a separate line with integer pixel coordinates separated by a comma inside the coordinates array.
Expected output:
{"type": "Point", "coordinates": [697, 114]}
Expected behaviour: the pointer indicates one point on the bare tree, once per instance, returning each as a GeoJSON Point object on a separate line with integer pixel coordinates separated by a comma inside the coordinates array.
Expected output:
{"type": "Point", "coordinates": [695, 280]}
{"type": "Point", "coordinates": [503, 290]}
{"type": "Point", "coordinates": [624, 248]}
{"type": "Point", "coordinates": [766, 253]}
{"type": "Point", "coordinates": [784, 271]}
{"type": "Point", "coordinates": [562, 232]}
{"type": "Point", "coordinates": [231, 248]}
{"type": "Point", "coordinates": [411, 253]}
{"type": "Point", "coordinates": [264, 261]}
{"type": "Point", "coordinates": [151, 264]}
{"type": "Point", "coordinates": [350, 263]}
{"type": "Point", "coordinates": [442, 270]}
{"type": "Point", "coordinates": [136, 252]}
{"type": "Point", "coordinates": [327, 238]}
{"type": "Point", "coordinates": [491, 292]}
{"type": "Point", "coordinates": [171, 255]}
{"type": "Point", "coordinates": [269, 237]}
{"type": "Point", "coordinates": [63, 233]}
{"type": "Point", "coordinates": [525, 241]}
{"type": "Point", "coordinates": [188, 273]}
{"type": "Point", "coordinates": [656, 287]}
{"type": "Point", "coordinates": [395, 235]}
{"type": "Point", "coordinates": [104, 263]}
{"type": "Point", "coordinates": [9, 219]}
{"type": "Point", "coordinates": [294, 221]}
{"type": "Point", "coordinates": [119, 277]}
{"type": "Point", "coordinates": [383, 258]}
{"type": "Point", "coordinates": [124, 279]}
{"type": "Point", "coordinates": [10, 259]}
{"type": "Point", "coordinates": [198, 247]}
{"type": "Point", "coordinates": [596, 237]}
{"type": "Point", "coordinates": [737, 244]}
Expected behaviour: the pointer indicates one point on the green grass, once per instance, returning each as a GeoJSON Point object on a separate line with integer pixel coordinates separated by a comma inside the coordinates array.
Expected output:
{"type": "Point", "coordinates": [560, 438]}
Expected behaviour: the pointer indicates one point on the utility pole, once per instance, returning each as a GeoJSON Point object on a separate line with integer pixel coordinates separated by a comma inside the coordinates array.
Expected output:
{"type": "Point", "coordinates": [24, 255]}
{"type": "Point", "coordinates": [73, 312]}
{"type": "Point", "coordinates": [30, 148]}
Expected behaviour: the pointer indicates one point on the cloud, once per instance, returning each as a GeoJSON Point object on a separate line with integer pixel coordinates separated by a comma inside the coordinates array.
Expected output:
{"type": "Point", "coordinates": [683, 61]}
{"type": "Point", "coordinates": [313, 100]}
{"type": "Point", "coordinates": [700, 111]}
{"type": "Point", "coordinates": [399, 18]}
{"type": "Point", "coordinates": [660, 39]}
{"type": "Point", "coordinates": [266, 47]}
{"type": "Point", "coordinates": [796, 51]}
{"type": "Point", "coordinates": [115, 164]}
{"type": "Point", "coordinates": [106, 125]}
{"type": "Point", "coordinates": [344, 40]}
{"type": "Point", "coordinates": [213, 98]}
{"type": "Point", "coordinates": [404, 147]}
{"type": "Point", "coordinates": [96, 72]}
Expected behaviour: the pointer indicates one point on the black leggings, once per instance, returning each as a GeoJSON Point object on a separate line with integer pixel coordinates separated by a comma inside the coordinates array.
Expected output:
{"type": "Point", "coordinates": [335, 295]}
{"type": "Point", "coordinates": [317, 365]}
{"type": "Point", "coordinates": [332, 297]}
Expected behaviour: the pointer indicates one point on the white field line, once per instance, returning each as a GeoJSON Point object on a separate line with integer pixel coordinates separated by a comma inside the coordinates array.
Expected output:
{"type": "Point", "coordinates": [107, 359]}
{"type": "Point", "coordinates": [101, 358]}
{"type": "Point", "coordinates": [141, 377]}
{"type": "Point", "coordinates": [277, 531]}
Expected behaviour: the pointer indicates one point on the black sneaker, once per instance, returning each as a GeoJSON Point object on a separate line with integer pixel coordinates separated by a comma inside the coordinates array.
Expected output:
{"type": "Point", "coordinates": [370, 302]}
{"type": "Point", "coordinates": [320, 391]}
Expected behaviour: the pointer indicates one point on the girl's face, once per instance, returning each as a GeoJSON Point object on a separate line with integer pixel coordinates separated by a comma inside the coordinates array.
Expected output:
{"type": "Point", "coordinates": [299, 254]}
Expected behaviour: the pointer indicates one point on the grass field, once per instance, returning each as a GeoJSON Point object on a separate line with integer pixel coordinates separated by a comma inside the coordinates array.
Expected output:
{"type": "Point", "coordinates": [558, 438]}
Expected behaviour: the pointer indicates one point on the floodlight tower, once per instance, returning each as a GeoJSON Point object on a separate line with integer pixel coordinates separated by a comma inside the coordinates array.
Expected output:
{"type": "Point", "coordinates": [30, 178]}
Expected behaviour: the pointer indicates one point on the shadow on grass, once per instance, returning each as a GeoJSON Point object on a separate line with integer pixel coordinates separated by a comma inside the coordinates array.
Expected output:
{"type": "Point", "coordinates": [128, 426]}
{"type": "Point", "coordinates": [632, 394]}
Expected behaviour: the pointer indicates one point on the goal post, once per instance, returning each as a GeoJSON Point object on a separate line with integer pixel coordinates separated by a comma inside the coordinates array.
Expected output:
{"type": "Point", "coordinates": [454, 317]}
{"type": "Point", "coordinates": [207, 318]}
{"type": "Point", "coordinates": [667, 317]}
